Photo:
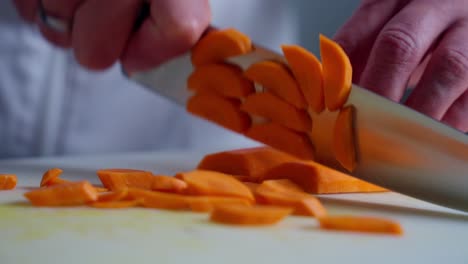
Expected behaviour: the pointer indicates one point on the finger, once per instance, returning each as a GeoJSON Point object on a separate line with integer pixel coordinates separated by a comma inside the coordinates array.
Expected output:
{"type": "Point", "coordinates": [358, 34]}
{"type": "Point", "coordinates": [446, 75]}
{"type": "Point", "coordinates": [457, 114]}
{"type": "Point", "coordinates": [101, 29]}
{"type": "Point", "coordinates": [173, 28]}
{"type": "Point", "coordinates": [27, 9]}
{"type": "Point", "coordinates": [401, 46]}
{"type": "Point", "coordinates": [59, 9]}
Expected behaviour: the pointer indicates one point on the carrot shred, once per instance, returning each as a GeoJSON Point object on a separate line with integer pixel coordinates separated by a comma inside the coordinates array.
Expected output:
{"type": "Point", "coordinates": [318, 179]}
{"type": "Point", "coordinates": [160, 200]}
{"type": "Point", "coordinates": [271, 107]}
{"type": "Point", "coordinates": [67, 194]}
{"type": "Point", "coordinates": [168, 184]}
{"type": "Point", "coordinates": [208, 203]}
{"type": "Point", "coordinates": [222, 78]}
{"type": "Point", "coordinates": [282, 138]}
{"type": "Point", "coordinates": [113, 196]}
{"type": "Point", "coordinates": [276, 78]}
{"type": "Point", "coordinates": [8, 181]}
{"type": "Point", "coordinates": [223, 111]}
{"type": "Point", "coordinates": [115, 179]}
{"type": "Point", "coordinates": [49, 175]}
{"type": "Point", "coordinates": [116, 204]}
{"type": "Point", "coordinates": [203, 182]}
{"type": "Point", "coordinates": [344, 139]}
{"type": "Point", "coordinates": [218, 45]}
{"type": "Point", "coordinates": [307, 70]}
{"type": "Point", "coordinates": [249, 215]}
{"type": "Point", "coordinates": [361, 224]}
{"type": "Point", "coordinates": [337, 73]}
{"type": "Point", "coordinates": [250, 163]}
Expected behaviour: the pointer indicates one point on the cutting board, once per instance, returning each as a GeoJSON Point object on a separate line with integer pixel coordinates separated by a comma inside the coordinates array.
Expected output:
{"type": "Point", "coordinates": [86, 235]}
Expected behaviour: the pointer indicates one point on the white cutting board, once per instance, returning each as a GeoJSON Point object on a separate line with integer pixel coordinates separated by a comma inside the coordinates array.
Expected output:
{"type": "Point", "coordinates": [85, 235]}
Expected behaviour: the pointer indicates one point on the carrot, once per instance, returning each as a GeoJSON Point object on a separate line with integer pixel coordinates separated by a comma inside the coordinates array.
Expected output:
{"type": "Point", "coordinates": [251, 163]}
{"type": "Point", "coordinates": [67, 194]}
{"type": "Point", "coordinates": [116, 204]}
{"type": "Point", "coordinates": [224, 79]}
{"type": "Point", "coordinates": [276, 78]}
{"type": "Point", "coordinates": [278, 111]}
{"type": "Point", "coordinates": [318, 179]}
{"type": "Point", "coordinates": [246, 215]}
{"type": "Point", "coordinates": [160, 200]}
{"type": "Point", "coordinates": [283, 193]}
{"type": "Point", "coordinates": [284, 139]}
{"type": "Point", "coordinates": [344, 138]}
{"type": "Point", "coordinates": [218, 45]}
{"type": "Point", "coordinates": [56, 181]}
{"type": "Point", "coordinates": [113, 196]}
{"type": "Point", "coordinates": [252, 186]}
{"type": "Point", "coordinates": [361, 224]}
{"type": "Point", "coordinates": [165, 183]}
{"type": "Point", "coordinates": [337, 73]}
{"type": "Point", "coordinates": [101, 189]}
{"type": "Point", "coordinates": [203, 182]}
{"type": "Point", "coordinates": [50, 175]}
{"type": "Point", "coordinates": [307, 70]}
{"type": "Point", "coordinates": [223, 111]}
{"type": "Point", "coordinates": [115, 179]}
{"type": "Point", "coordinates": [8, 181]}
{"type": "Point", "coordinates": [208, 203]}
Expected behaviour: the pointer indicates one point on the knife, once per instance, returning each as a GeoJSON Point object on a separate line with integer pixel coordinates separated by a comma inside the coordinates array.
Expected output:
{"type": "Point", "coordinates": [397, 147]}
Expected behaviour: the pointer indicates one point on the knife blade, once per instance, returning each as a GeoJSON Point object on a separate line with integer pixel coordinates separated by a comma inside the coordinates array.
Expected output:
{"type": "Point", "coordinates": [397, 147]}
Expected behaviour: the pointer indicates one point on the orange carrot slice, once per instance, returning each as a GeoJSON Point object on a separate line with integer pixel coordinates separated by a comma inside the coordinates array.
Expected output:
{"type": "Point", "coordinates": [113, 196]}
{"type": "Point", "coordinates": [224, 79]}
{"type": "Point", "coordinates": [56, 181]}
{"type": "Point", "coordinates": [160, 200]}
{"type": "Point", "coordinates": [203, 182]}
{"type": "Point", "coordinates": [222, 111]}
{"type": "Point", "coordinates": [208, 203]}
{"type": "Point", "coordinates": [344, 138]}
{"type": "Point", "coordinates": [101, 189]}
{"type": "Point", "coordinates": [318, 179]}
{"type": "Point", "coordinates": [307, 70]}
{"type": "Point", "coordinates": [278, 111]}
{"type": "Point", "coordinates": [168, 184]}
{"type": "Point", "coordinates": [115, 179]}
{"type": "Point", "coordinates": [337, 73]}
{"type": "Point", "coordinates": [116, 204]}
{"type": "Point", "coordinates": [218, 45]}
{"type": "Point", "coordinates": [8, 181]}
{"type": "Point", "coordinates": [284, 193]}
{"type": "Point", "coordinates": [249, 215]}
{"type": "Point", "coordinates": [276, 78]}
{"type": "Point", "coordinates": [50, 175]}
{"type": "Point", "coordinates": [67, 194]}
{"type": "Point", "coordinates": [282, 138]}
{"type": "Point", "coordinates": [252, 186]}
{"type": "Point", "coordinates": [361, 224]}
{"type": "Point", "coordinates": [249, 162]}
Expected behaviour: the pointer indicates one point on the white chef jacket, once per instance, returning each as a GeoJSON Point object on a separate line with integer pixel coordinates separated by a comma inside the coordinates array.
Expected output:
{"type": "Point", "coordinates": [49, 105]}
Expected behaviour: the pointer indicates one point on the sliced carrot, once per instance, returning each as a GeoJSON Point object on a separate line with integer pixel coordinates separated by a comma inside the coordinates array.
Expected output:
{"type": "Point", "coordinates": [224, 79]}
{"type": "Point", "coordinates": [113, 196]}
{"type": "Point", "coordinates": [218, 45]}
{"type": "Point", "coordinates": [101, 189]}
{"type": "Point", "coordinates": [249, 215]}
{"type": "Point", "coordinates": [276, 78]}
{"type": "Point", "coordinates": [283, 193]}
{"type": "Point", "coordinates": [208, 203]}
{"type": "Point", "coordinates": [115, 179]}
{"type": "Point", "coordinates": [318, 179]}
{"type": "Point", "coordinates": [278, 111]}
{"type": "Point", "coordinates": [282, 138]}
{"type": "Point", "coordinates": [116, 204]}
{"type": "Point", "coordinates": [8, 181]}
{"type": "Point", "coordinates": [67, 194]}
{"type": "Point", "coordinates": [56, 181]}
{"type": "Point", "coordinates": [344, 138]}
{"type": "Point", "coordinates": [337, 73]}
{"type": "Point", "coordinates": [168, 184]}
{"type": "Point", "coordinates": [223, 111]}
{"type": "Point", "coordinates": [50, 175]}
{"type": "Point", "coordinates": [160, 200]}
{"type": "Point", "coordinates": [307, 70]}
{"type": "Point", "coordinates": [361, 224]}
{"type": "Point", "coordinates": [203, 182]}
{"type": "Point", "coordinates": [249, 162]}
{"type": "Point", "coordinates": [252, 186]}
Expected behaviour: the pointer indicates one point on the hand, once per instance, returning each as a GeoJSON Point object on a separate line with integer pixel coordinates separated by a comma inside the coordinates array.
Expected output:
{"type": "Point", "coordinates": [101, 31]}
{"type": "Point", "coordinates": [390, 41]}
